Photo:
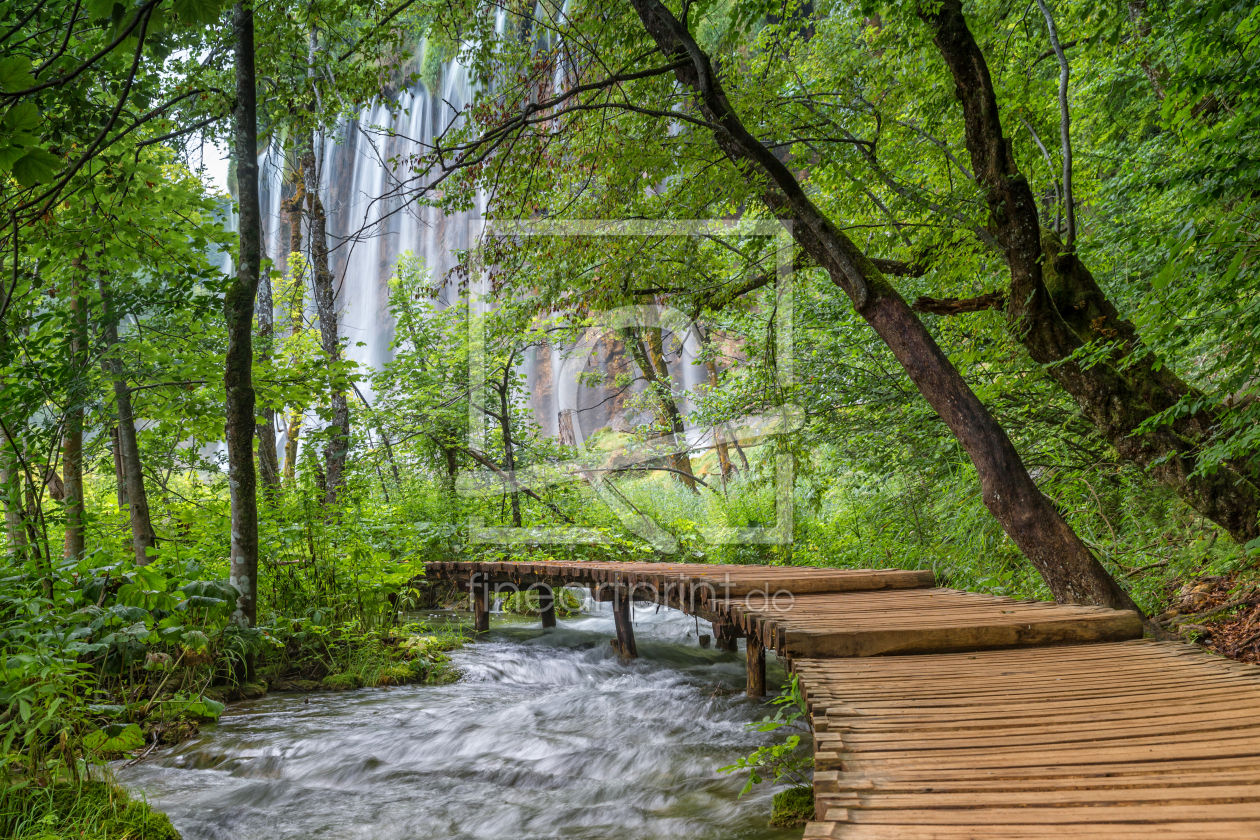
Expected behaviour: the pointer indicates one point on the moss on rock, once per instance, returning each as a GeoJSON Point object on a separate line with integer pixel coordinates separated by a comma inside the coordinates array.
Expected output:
{"type": "Point", "coordinates": [792, 807]}
{"type": "Point", "coordinates": [341, 682]}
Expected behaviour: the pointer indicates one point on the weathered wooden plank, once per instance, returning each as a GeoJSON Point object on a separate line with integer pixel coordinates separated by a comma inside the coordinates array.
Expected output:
{"type": "Point", "coordinates": [826, 641]}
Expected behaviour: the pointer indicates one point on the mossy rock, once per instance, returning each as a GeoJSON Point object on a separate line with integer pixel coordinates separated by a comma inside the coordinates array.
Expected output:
{"type": "Point", "coordinates": [171, 732]}
{"type": "Point", "coordinates": [231, 693]}
{"type": "Point", "coordinates": [252, 690]}
{"type": "Point", "coordinates": [399, 673]}
{"type": "Point", "coordinates": [425, 646]}
{"type": "Point", "coordinates": [792, 807]}
{"type": "Point", "coordinates": [442, 674]}
{"type": "Point", "coordinates": [296, 685]}
{"type": "Point", "coordinates": [341, 682]}
{"type": "Point", "coordinates": [87, 811]}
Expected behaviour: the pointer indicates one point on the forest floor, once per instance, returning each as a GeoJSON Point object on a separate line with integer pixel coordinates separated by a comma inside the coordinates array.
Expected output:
{"type": "Point", "coordinates": [1219, 612]}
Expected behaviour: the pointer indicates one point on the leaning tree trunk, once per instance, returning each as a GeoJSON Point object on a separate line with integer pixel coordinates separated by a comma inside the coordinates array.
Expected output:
{"type": "Point", "coordinates": [238, 308]}
{"type": "Point", "coordinates": [719, 443]}
{"type": "Point", "coordinates": [1056, 307]}
{"type": "Point", "coordinates": [72, 433]}
{"type": "Point", "coordinates": [326, 307]}
{"type": "Point", "coordinates": [647, 349]}
{"type": "Point", "coordinates": [1070, 570]}
{"type": "Point", "coordinates": [142, 537]}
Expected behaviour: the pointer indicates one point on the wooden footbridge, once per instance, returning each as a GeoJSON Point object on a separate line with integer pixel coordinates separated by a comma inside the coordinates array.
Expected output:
{"type": "Point", "coordinates": [946, 715]}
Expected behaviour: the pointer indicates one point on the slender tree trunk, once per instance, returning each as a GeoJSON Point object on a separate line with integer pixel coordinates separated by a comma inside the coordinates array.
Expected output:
{"type": "Point", "coordinates": [10, 470]}
{"type": "Point", "coordinates": [719, 443]}
{"type": "Point", "coordinates": [11, 486]}
{"type": "Point", "coordinates": [326, 305]}
{"type": "Point", "coordinates": [120, 474]}
{"type": "Point", "coordinates": [32, 517]}
{"type": "Point", "coordinates": [1070, 570]}
{"type": "Point", "coordinates": [1056, 307]}
{"type": "Point", "coordinates": [268, 461]}
{"type": "Point", "coordinates": [385, 442]}
{"type": "Point", "coordinates": [72, 435]}
{"type": "Point", "coordinates": [296, 297]}
{"type": "Point", "coordinates": [292, 433]}
{"type": "Point", "coordinates": [142, 537]}
{"type": "Point", "coordinates": [647, 348]}
{"type": "Point", "coordinates": [509, 450]}
{"type": "Point", "coordinates": [239, 313]}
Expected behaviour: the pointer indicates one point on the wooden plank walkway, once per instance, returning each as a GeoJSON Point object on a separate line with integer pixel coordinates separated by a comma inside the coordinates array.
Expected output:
{"type": "Point", "coordinates": [1094, 742]}
{"type": "Point", "coordinates": [947, 715]}
{"type": "Point", "coordinates": [921, 621]}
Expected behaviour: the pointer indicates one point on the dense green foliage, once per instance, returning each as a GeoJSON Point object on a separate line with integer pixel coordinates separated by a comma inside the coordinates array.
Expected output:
{"type": "Point", "coordinates": [112, 259]}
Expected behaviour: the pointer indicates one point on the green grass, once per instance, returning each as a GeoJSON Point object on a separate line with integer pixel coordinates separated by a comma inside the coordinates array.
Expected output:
{"type": "Point", "coordinates": [88, 811]}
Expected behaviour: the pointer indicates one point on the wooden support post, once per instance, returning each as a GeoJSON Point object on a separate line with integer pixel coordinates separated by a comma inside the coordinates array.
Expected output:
{"type": "Point", "coordinates": [756, 668]}
{"type": "Point", "coordinates": [547, 605]}
{"type": "Point", "coordinates": [481, 605]}
{"type": "Point", "coordinates": [724, 637]}
{"type": "Point", "coordinates": [625, 633]}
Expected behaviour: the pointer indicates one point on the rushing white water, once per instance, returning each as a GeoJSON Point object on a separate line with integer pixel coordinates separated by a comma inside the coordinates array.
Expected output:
{"type": "Point", "coordinates": [549, 735]}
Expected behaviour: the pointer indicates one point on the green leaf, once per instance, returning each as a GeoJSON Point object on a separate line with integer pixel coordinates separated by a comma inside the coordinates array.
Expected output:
{"type": "Point", "coordinates": [99, 8]}
{"type": "Point", "coordinates": [36, 167]}
{"type": "Point", "coordinates": [15, 74]}
{"type": "Point", "coordinates": [196, 640]}
{"type": "Point", "coordinates": [115, 738]}
{"type": "Point", "coordinates": [23, 116]}
{"type": "Point", "coordinates": [9, 155]}
{"type": "Point", "coordinates": [194, 12]}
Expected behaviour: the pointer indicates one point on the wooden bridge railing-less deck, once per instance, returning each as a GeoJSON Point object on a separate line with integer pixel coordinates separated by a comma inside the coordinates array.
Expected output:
{"type": "Point", "coordinates": [946, 715]}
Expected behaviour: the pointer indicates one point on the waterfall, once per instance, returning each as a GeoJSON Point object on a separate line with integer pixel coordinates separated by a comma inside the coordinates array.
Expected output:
{"type": "Point", "coordinates": [367, 234]}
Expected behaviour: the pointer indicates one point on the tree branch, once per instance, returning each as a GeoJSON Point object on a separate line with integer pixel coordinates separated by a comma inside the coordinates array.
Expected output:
{"type": "Point", "coordinates": [1065, 126]}
{"type": "Point", "coordinates": [957, 306]}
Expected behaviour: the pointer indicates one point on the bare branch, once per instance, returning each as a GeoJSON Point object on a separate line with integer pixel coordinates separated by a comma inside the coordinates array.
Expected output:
{"type": "Point", "coordinates": [1065, 125]}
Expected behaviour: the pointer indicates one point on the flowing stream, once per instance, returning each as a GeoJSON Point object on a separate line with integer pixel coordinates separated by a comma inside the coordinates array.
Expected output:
{"type": "Point", "coordinates": [549, 735]}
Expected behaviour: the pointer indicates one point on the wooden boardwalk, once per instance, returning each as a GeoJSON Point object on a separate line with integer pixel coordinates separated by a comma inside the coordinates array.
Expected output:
{"type": "Point", "coordinates": [946, 715]}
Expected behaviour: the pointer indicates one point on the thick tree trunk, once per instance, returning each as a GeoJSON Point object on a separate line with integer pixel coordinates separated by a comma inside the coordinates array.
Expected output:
{"type": "Point", "coordinates": [238, 308]}
{"type": "Point", "coordinates": [265, 429]}
{"type": "Point", "coordinates": [72, 433]}
{"type": "Point", "coordinates": [142, 537]}
{"type": "Point", "coordinates": [1056, 307]}
{"type": "Point", "coordinates": [326, 306]}
{"type": "Point", "coordinates": [1070, 570]}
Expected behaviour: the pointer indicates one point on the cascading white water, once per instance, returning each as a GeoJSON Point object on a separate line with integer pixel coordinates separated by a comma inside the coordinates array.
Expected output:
{"type": "Point", "coordinates": [368, 233]}
{"type": "Point", "coordinates": [549, 735]}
